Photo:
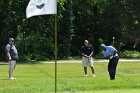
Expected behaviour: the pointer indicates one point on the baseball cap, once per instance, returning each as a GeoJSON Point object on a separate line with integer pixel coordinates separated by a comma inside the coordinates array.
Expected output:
{"type": "Point", "coordinates": [103, 45]}
{"type": "Point", "coordinates": [11, 39]}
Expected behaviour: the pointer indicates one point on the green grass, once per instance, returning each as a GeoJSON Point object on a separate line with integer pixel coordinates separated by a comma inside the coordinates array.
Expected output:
{"type": "Point", "coordinates": [39, 78]}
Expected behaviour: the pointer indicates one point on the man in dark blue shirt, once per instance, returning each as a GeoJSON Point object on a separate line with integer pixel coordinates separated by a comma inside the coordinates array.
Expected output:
{"type": "Point", "coordinates": [87, 52]}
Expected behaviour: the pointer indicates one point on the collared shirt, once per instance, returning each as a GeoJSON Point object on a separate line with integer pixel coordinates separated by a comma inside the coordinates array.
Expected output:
{"type": "Point", "coordinates": [109, 50]}
{"type": "Point", "coordinates": [87, 50]}
{"type": "Point", "coordinates": [12, 50]}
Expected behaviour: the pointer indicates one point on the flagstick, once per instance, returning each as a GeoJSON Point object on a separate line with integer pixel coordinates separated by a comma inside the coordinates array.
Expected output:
{"type": "Point", "coordinates": [55, 53]}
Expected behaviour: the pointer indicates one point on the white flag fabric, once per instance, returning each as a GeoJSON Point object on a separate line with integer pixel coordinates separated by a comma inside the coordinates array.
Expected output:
{"type": "Point", "coordinates": [41, 7]}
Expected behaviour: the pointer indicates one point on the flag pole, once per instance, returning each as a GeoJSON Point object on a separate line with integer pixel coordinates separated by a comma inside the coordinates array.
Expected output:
{"type": "Point", "coordinates": [55, 53]}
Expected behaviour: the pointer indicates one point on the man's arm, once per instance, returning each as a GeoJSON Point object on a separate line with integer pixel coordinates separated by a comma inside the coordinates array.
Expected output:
{"type": "Point", "coordinates": [105, 56]}
{"type": "Point", "coordinates": [7, 49]}
{"type": "Point", "coordinates": [82, 52]}
{"type": "Point", "coordinates": [91, 54]}
{"type": "Point", "coordinates": [87, 55]}
{"type": "Point", "coordinates": [114, 53]}
{"type": "Point", "coordinates": [84, 55]}
{"type": "Point", "coordinates": [9, 56]}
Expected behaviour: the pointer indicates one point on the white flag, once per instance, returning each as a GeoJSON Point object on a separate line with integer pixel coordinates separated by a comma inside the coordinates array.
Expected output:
{"type": "Point", "coordinates": [41, 7]}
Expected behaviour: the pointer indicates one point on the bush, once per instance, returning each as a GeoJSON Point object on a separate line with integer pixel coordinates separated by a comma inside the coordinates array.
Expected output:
{"type": "Point", "coordinates": [130, 54]}
{"type": "Point", "coordinates": [38, 57]}
{"type": "Point", "coordinates": [24, 58]}
{"type": "Point", "coordinates": [99, 55]}
{"type": "Point", "coordinates": [32, 58]}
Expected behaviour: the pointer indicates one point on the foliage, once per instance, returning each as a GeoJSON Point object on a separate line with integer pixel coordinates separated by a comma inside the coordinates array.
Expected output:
{"type": "Point", "coordinates": [24, 58]}
{"type": "Point", "coordinates": [99, 55]}
{"type": "Point", "coordinates": [130, 54]}
{"type": "Point", "coordinates": [96, 20]}
{"type": "Point", "coordinates": [66, 30]}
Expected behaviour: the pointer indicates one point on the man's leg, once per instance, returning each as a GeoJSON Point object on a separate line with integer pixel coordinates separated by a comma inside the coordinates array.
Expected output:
{"type": "Point", "coordinates": [10, 73]}
{"type": "Point", "coordinates": [84, 64]}
{"type": "Point", "coordinates": [91, 66]}
{"type": "Point", "coordinates": [110, 67]}
{"type": "Point", "coordinates": [114, 70]}
{"type": "Point", "coordinates": [114, 66]}
{"type": "Point", "coordinates": [85, 70]}
{"type": "Point", "coordinates": [11, 69]}
{"type": "Point", "coordinates": [93, 71]}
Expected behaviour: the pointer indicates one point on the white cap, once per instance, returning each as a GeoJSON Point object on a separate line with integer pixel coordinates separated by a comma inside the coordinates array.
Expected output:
{"type": "Point", "coordinates": [103, 45]}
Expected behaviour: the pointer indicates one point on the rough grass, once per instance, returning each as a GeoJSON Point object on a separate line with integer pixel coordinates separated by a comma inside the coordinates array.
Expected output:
{"type": "Point", "coordinates": [39, 78]}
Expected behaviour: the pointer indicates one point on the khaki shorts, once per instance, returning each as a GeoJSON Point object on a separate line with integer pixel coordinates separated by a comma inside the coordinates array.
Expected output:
{"type": "Point", "coordinates": [87, 62]}
{"type": "Point", "coordinates": [12, 64]}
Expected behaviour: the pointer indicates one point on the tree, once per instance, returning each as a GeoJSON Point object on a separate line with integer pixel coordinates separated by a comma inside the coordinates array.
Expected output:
{"type": "Point", "coordinates": [66, 29]}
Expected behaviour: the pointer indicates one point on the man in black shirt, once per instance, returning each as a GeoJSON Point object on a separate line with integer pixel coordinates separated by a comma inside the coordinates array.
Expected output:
{"type": "Point", "coordinates": [87, 52]}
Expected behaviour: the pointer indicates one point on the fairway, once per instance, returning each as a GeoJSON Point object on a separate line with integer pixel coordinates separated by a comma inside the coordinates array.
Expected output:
{"type": "Point", "coordinates": [39, 78]}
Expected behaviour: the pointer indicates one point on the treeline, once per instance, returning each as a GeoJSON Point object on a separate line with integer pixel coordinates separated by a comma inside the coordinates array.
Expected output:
{"type": "Point", "coordinates": [114, 22]}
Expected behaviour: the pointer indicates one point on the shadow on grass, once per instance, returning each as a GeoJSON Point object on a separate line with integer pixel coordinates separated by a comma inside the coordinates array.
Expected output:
{"type": "Point", "coordinates": [5, 79]}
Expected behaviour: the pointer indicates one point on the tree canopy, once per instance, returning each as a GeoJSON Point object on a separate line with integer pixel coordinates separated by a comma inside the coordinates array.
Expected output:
{"type": "Point", "coordinates": [113, 22]}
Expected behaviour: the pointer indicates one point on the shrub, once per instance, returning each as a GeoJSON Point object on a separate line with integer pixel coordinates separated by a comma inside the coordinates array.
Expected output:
{"type": "Point", "coordinates": [99, 55]}
{"type": "Point", "coordinates": [130, 54]}
{"type": "Point", "coordinates": [32, 58]}
{"type": "Point", "coordinates": [38, 57]}
{"type": "Point", "coordinates": [24, 58]}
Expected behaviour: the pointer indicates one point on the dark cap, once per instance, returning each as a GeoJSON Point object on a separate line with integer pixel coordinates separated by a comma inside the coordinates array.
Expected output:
{"type": "Point", "coordinates": [11, 39]}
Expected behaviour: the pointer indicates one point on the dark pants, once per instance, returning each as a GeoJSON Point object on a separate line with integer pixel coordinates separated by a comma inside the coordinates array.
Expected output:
{"type": "Point", "coordinates": [112, 67]}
